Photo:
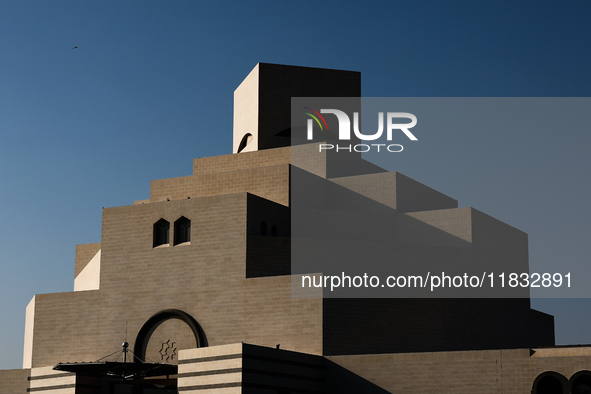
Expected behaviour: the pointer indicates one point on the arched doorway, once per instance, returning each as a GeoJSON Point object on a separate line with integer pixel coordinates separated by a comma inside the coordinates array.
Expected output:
{"type": "Point", "coordinates": [184, 320]}
{"type": "Point", "coordinates": [161, 337]}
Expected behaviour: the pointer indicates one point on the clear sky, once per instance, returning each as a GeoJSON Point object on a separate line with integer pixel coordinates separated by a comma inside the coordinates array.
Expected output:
{"type": "Point", "coordinates": [150, 87]}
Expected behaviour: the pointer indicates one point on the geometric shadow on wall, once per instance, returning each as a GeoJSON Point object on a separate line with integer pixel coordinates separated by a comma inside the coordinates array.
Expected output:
{"type": "Point", "coordinates": [143, 336]}
{"type": "Point", "coordinates": [341, 380]}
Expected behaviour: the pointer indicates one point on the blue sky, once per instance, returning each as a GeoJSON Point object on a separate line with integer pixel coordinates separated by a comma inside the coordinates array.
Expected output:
{"type": "Point", "coordinates": [150, 87]}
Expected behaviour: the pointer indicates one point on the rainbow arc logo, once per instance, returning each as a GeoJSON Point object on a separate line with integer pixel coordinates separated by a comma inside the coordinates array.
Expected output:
{"type": "Point", "coordinates": [315, 117]}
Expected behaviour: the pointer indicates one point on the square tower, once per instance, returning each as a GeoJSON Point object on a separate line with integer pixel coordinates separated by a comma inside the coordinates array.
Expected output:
{"type": "Point", "coordinates": [262, 102]}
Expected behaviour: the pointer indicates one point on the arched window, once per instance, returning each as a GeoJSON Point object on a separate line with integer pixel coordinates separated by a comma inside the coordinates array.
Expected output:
{"type": "Point", "coordinates": [273, 231]}
{"type": "Point", "coordinates": [182, 230]}
{"type": "Point", "coordinates": [581, 383]}
{"type": "Point", "coordinates": [549, 383]}
{"type": "Point", "coordinates": [244, 142]}
{"type": "Point", "coordinates": [263, 228]}
{"type": "Point", "coordinates": [161, 229]}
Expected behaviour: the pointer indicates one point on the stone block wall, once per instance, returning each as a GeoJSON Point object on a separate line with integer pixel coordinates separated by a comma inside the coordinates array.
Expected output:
{"type": "Point", "coordinates": [85, 253]}
{"type": "Point", "coordinates": [487, 371]}
{"type": "Point", "coordinates": [14, 381]}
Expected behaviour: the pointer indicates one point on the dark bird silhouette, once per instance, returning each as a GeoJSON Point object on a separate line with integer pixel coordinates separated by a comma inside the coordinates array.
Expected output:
{"type": "Point", "coordinates": [74, 47]}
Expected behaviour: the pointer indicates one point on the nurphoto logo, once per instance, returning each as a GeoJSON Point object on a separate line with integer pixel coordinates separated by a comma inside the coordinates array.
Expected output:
{"type": "Point", "coordinates": [345, 129]}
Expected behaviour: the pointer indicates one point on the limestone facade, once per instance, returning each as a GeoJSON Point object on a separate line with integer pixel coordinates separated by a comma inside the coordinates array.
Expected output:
{"type": "Point", "coordinates": [216, 298]}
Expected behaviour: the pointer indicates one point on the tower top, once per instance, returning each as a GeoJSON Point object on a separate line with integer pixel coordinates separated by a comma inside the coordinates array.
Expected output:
{"type": "Point", "coordinates": [262, 102]}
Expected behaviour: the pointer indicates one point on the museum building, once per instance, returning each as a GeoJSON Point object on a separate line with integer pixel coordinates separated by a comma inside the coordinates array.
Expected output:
{"type": "Point", "coordinates": [196, 283]}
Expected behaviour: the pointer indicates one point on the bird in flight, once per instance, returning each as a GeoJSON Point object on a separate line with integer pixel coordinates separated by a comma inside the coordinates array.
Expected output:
{"type": "Point", "coordinates": [74, 47]}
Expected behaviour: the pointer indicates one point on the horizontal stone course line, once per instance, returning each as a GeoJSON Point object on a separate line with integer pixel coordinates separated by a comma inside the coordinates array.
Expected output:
{"type": "Point", "coordinates": [211, 372]}
{"type": "Point", "coordinates": [63, 386]}
{"type": "Point", "coordinates": [211, 358]}
{"type": "Point", "coordinates": [78, 386]}
{"type": "Point", "coordinates": [57, 375]}
{"type": "Point", "coordinates": [210, 386]}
